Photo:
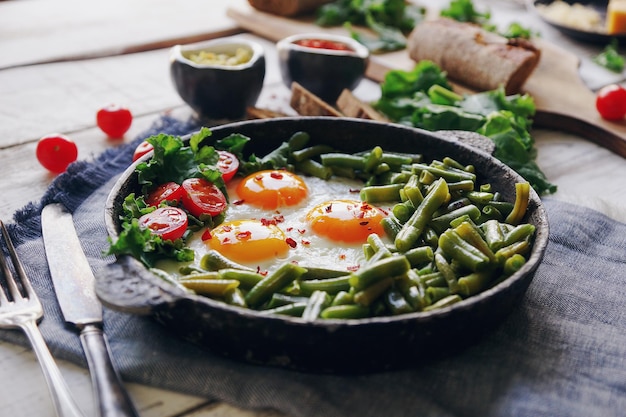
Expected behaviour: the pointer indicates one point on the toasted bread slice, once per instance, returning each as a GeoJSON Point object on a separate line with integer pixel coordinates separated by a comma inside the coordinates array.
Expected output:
{"type": "Point", "coordinates": [308, 104]}
{"type": "Point", "coordinates": [351, 106]}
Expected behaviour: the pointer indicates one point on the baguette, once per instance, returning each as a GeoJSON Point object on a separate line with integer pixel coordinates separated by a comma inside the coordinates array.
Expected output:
{"type": "Point", "coordinates": [472, 56]}
{"type": "Point", "coordinates": [287, 7]}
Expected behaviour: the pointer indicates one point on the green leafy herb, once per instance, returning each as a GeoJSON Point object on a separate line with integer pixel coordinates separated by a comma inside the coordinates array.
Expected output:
{"type": "Point", "coordinates": [418, 98]}
{"type": "Point", "coordinates": [610, 58]}
{"type": "Point", "coordinates": [391, 20]}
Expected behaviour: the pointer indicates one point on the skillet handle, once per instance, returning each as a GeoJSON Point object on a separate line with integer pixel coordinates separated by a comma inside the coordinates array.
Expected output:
{"type": "Point", "coordinates": [127, 286]}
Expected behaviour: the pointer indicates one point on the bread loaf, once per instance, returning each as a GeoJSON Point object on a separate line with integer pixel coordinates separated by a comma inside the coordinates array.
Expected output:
{"type": "Point", "coordinates": [287, 7]}
{"type": "Point", "coordinates": [472, 56]}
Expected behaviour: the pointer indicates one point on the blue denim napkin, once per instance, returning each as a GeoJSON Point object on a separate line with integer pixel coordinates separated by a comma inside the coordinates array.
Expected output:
{"type": "Point", "coordinates": [562, 352]}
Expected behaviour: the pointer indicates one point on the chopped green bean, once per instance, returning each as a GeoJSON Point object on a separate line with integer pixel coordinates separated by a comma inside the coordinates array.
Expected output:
{"type": "Point", "coordinates": [264, 289]}
{"type": "Point", "coordinates": [347, 311]}
{"type": "Point", "coordinates": [329, 285]}
{"type": "Point", "coordinates": [210, 287]}
{"type": "Point", "coordinates": [381, 193]}
{"type": "Point", "coordinates": [317, 302]}
{"type": "Point", "coordinates": [372, 273]}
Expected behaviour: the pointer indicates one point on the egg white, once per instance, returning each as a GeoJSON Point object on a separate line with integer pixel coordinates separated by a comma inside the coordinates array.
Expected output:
{"type": "Point", "coordinates": [310, 249]}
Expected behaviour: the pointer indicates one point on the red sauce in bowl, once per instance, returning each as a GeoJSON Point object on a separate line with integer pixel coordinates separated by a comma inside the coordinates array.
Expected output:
{"type": "Point", "coordinates": [324, 44]}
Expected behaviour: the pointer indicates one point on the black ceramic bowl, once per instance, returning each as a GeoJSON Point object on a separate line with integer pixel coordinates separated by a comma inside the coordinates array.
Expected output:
{"type": "Point", "coordinates": [362, 345]}
{"type": "Point", "coordinates": [325, 72]}
{"type": "Point", "coordinates": [213, 88]}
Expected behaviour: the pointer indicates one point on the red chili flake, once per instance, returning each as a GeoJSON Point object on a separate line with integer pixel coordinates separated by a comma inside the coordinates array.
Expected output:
{"type": "Point", "coordinates": [244, 235]}
{"type": "Point", "coordinates": [227, 228]}
{"type": "Point", "coordinates": [258, 271]}
{"type": "Point", "coordinates": [268, 222]}
{"type": "Point", "coordinates": [354, 190]}
{"type": "Point", "coordinates": [206, 235]}
{"type": "Point", "coordinates": [226, 240]}
{"type": "Point", "coordinates": [306, 242]}
{"type": "Point", "coordinates": [360, 215]}
{"type": "Point", "coordinates": [258, 177]}
{"type": "Point", "coordinates": [276, 175]}
{"type": "Point", "coordinates": [353, 268]}
{"type": "Point", "coordinates": [365, 223]}
{"type": "Point", "coordinates": [302, 231]}
{"type": "Point", "coordinates": [279, 218]}
{"type": "Point", "coordinates": [238, 202]}
{"type": "Point", "coordinates": [292, 243]}
{"type": "Point", "coordinates": [342, 256]}
{"type": "Point", "coordinates": [329, 208]}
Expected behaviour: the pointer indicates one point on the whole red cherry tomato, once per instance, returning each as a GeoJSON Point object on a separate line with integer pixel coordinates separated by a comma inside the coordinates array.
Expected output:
{"type": "Point", "coordinates": [168, 222]}
{"type": "Point", "coordinates": [228, 165]}
{"type": "Point", "coordinates": [55, 152]}
{"type": "Point", "coordinates": [142, 149]}
{"type": "Point", "coordinates": [114, 120]}
{"type": "Point", "coordinates": [167, 191]}
{"type": "Point", "coordinates": [611, 102]}
{"type": "Point", "coordinates": [203, 197]}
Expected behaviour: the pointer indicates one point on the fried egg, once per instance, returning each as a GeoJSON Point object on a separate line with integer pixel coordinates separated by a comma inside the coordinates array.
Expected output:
{"type": "Point", "coordinates": [277, 216]}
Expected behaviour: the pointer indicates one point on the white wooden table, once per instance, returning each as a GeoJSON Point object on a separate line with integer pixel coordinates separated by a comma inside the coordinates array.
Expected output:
{"type": "Point", "coordinates": [45, 88]}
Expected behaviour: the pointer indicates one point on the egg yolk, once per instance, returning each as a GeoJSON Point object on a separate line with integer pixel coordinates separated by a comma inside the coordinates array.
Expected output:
{"type": "Point", "coordinates": [248, 241]}
{"type": "Point", "coordinates": [346, 220]}
{"type": "Point", "coordinates": [272, 189]}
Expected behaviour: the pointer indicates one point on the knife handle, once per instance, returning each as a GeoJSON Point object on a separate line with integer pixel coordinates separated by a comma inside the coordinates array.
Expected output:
{"type": "Point", "coordinates": [111, 396]}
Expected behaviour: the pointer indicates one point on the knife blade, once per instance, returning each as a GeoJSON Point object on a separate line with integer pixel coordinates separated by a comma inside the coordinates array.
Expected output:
{"type": "Point", "coordinates": [74, 284]}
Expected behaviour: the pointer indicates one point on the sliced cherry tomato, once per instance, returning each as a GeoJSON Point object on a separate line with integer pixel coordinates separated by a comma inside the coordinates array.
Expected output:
{"type": "Point", "coordinates": [142, 149]}
{"type": "Point", "coordinates": [168, 191]}
{"type": "Point", "coordinates": [203, 197]}
{"type": "Point", "coordinates": [228, 165]}
{"type": "Point", "coordinates": [168, 222]}
{"type": "Point", "coordinates": [611, 102]}
{"type": "Point", "coordinates": [55, 152]}
{"type": "Point", "coordinates": [114, 120]}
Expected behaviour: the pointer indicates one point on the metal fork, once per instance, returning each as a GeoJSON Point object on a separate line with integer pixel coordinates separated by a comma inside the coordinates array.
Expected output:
{"type": "Point", "coordinates": [21, 308]}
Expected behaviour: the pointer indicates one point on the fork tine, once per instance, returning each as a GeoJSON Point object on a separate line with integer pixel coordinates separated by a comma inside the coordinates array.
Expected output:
{"type": "Point", "coordinates": [19, 268]}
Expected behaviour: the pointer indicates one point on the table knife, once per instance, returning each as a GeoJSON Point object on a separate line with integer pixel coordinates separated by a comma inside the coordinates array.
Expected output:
{"type": "Point", "coordinates": [74, 284]}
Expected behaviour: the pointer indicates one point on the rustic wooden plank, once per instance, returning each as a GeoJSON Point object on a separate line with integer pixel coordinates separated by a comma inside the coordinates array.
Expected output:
{"type": "Point", "coordinates": [37, 31]}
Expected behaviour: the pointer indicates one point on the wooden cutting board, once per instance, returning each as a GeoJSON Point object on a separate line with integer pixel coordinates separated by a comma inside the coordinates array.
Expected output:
{"type": "Point", "coordinates": [563, 101]}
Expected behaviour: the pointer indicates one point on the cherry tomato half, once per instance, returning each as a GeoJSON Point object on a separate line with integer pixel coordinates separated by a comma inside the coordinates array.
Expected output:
{"type": "Point", "coordinates": [611, 102]}
{"type": "Point", "coordinates": [228, 165]}
{"type": "Point", "coordinates": [114, 120]}
{"type": "Point", "coordinates": [168, 191]}
{"type": "Point", "coordinates": [168, 222]}
{"type": "Point", "coordinates": [55, 152]}
{"type": "Point", "coordinates": [142, 149]}
{"type": "Point", "coordinates": [203, 197]}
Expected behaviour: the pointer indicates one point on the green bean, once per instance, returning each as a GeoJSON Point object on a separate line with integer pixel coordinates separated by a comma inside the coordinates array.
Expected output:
{"type": "Point", "coordinates": [396, 303]}
{"type": "Point", "coordinates": [474, 283]}
{"type": "Point", "coordinates": [377, 243]}
{"type": "Point", "coordinates": [486, 188]}
{"type": "Point", "coordinates": [419, 256]}
{"type": "Point", "coordinates": [372, 273]}
{"type": "Point", "coordinates": [214, 261]}
{"type": "Point", "coordinates": [506, 252]}
{"type": "Point", "coordinates": [317, 302]}
{"type": "Point", "coordinates": [169, 279]}
{"type": "Point", "coordinates": [190, 269]}
{"type": "Point", "coordinates": [493, 234]}
{"type": "Point", "coordinates": [373, 158]}
{"type": "Point", "coordinates": [504, 207]}
{"type": "Point", "coordinates": [522, 197]}
{"type": "Point", "coordinates": [469, 232]}
{"type": "Point", "coordinates": [464, 185]}
{"type": "Point", "coordinates": [480, 198]}
{"type": "Point", "coordinates": [431, 237]}
{"type": "Point", "coordinates": [210, 287]}
{"type": "Point", "coordinates": [342, 160]}
{"type": "Point", "coordinates": [247, 279]}
{"type": "Point", "coordinates": [315, 272]}
{"type": "Point", "coordinates": [442, 222]}
{"type": "Point", "coordinates": [200, 275]}
{"type": "Point", "coordinates": [513, 264]}
{"type": "Point", "coordinates": [403, 211]}
{"type": "Point", "coordinates": [448, 273]}
{"type": "Point", "coordinates": [452, 163]}
{"type": "Point", "coordinates": [310, 152]}
{"type": "Point", "coordinates": [347, 311]}
{"type": "Point", "coordinates": [314, 169]}
{"type": "Point", "coordinates": [298, 141]}
{"type": "Point", "coordinates": [343, 172]}
{"type": "Point", "coordinates": [521, 232]}
{"type": "Point", "coordinates": [330, 285]}
{"type": "Point", "coordinates": [264, 289]}
{"type": "Point", "coordinates": [491, 213]}
{"type": "Point", "coordinates": [381, 193]}
{"type": "Point", "coordinates": [294, 310]}
{"type": "Point", "coordinates": [444, 302]}
{"type": "Point", "coordinates": [279, 299]}
{"type": "Point", "coordinates": [414, 227]}
{"type": "Point", "coordinates": [462, 251]}
{"type": "Point", "coordinates": [437, 281]}
{"type": "Point", "coordinates": [427, 177]}
{"type": "Point", "coordinates": [436, 293]}
{"type": "Point", "coordinates": [235, 297]}
{"type": "Point", "coordinates": [342, 298]}
{"type": "Point", "coordinates": [391, 226]}
{"type": "Point", "coordinates": [368, 295]}
{"type": "Point", "coordinates": [449, 174]}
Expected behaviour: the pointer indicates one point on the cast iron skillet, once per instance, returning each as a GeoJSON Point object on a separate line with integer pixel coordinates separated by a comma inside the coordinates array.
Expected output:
{"type": "Point", "coordinates": [579, 34]}
{"type": "Point", "coordinates": [363, 345]}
